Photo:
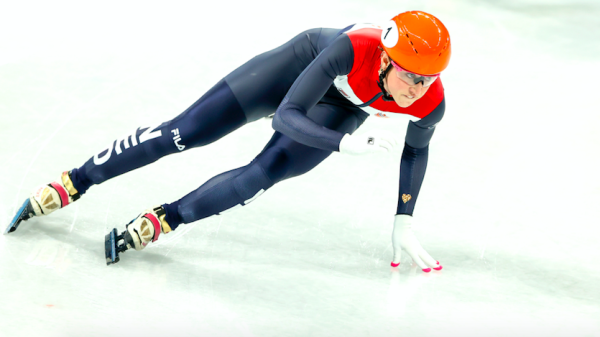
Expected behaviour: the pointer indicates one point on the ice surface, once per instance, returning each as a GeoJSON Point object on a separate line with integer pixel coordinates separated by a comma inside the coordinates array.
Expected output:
{"type": "Point", "coordinates": [508, 205]}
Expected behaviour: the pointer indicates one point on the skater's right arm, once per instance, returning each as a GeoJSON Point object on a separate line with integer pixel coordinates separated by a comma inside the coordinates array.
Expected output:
{"type": "Point", "coordinates": [291, 120]}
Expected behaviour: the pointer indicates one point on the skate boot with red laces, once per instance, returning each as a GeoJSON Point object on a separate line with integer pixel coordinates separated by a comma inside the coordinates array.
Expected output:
{"type": "Point", "coordinates": [142, 230]}
{"type": "Point", "coordinates": [46, 199]}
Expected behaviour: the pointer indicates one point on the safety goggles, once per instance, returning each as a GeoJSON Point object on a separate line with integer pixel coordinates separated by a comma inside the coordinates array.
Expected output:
{"type": "Point", "coordinates": [412, 78]}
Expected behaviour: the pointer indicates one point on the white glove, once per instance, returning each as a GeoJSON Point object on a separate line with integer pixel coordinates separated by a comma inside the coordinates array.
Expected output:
{"type": "Point", "coordinates": [404, 238]}
{"type": "Point", "coordinates": [372, 142]}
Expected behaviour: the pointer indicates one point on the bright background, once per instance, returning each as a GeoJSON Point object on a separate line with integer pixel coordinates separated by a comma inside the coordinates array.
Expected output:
{"type": "Point", "coordinates": [507, 206]}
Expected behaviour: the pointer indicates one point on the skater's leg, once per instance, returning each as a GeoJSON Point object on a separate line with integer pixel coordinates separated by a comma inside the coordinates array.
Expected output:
{"type": "Point", "coordinates": [214, 115]}
{"type": "Point", "coordinates": [250, 92]}
{"type": "Point", "coordinates": [281, 159]}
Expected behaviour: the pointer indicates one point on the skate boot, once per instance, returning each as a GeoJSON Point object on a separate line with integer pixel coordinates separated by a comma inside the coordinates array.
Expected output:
{"type": "Point", "coordinates": [145, 228]}
{"type": "Point", "coordinates": [46, 199]}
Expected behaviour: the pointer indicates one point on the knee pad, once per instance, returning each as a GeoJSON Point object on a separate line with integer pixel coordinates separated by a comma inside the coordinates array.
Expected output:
{"type": "Point", "coordinates": [275, 162]}
{"type": "Point", "coordinates": [251, 183]}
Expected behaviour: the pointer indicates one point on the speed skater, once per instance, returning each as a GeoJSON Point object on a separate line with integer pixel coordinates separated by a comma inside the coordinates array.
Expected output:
{"type": "Point", "coordinates": [321, 86]}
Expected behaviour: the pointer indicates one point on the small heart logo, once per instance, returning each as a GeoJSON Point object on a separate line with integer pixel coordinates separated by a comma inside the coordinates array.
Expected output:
{"type": "Point", "coordinates": [406, 198]}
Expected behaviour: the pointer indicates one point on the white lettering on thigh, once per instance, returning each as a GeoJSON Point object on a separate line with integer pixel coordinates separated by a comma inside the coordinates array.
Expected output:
{"type": "Point", "coordinates": [177, 139]}
{"type": "Point", "coordinates": [149, 133]}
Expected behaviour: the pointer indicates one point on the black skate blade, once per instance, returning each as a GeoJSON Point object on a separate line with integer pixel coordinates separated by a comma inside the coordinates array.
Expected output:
{"type": "Point", "coordinates": [112, 248]}
{"type": "Point", "coordinates": [24, 213]}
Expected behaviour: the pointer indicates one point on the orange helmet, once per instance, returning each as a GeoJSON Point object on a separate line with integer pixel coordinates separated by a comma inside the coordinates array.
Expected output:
{"type": "Point", "coordinates": [418, 42]}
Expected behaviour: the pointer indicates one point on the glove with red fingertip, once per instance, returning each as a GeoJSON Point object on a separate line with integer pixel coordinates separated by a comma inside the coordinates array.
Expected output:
{"type": "Point", "coordinates": [404, 238]}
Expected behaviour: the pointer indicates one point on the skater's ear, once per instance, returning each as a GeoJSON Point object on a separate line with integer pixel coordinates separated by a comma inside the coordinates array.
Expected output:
{"type": "Point", "coordinates": [385, 61]}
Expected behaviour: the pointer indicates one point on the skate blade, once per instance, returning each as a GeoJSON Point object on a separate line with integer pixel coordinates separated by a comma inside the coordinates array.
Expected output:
{"type": "Point", "coordinates": [24, 213]}
{"type": "Point", "coordinates": [112, 247]}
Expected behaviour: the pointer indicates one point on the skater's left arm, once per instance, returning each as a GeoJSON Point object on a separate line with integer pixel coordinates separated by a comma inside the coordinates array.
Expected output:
{"type": "Point", "coordinates": [414, 158]}
{"type": "Point", "coordinates": [412, 172]}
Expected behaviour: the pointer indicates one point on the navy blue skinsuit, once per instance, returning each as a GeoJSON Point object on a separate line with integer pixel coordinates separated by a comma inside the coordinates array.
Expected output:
{"type": "Point", "coordinates": [295, 80]}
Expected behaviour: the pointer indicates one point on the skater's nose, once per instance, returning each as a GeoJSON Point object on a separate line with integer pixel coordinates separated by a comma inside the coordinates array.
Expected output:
{"type": "Point", "coordinates": [416, 90]}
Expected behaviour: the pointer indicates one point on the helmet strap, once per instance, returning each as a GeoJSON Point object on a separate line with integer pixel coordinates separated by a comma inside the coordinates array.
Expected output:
{"type": "Point", "coordinates": [382, 75]}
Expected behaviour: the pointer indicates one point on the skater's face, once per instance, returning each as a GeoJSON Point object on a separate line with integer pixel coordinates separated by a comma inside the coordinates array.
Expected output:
{"type": "Point", "coordinates": [404, 93]}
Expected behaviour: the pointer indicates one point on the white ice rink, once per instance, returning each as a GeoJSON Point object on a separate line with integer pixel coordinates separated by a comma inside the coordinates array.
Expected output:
{"type": "Point", "coordinates": [509, 205]}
